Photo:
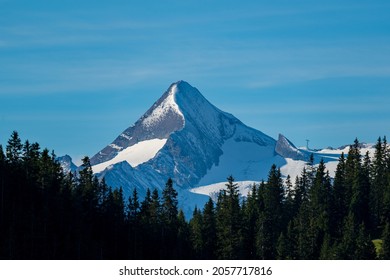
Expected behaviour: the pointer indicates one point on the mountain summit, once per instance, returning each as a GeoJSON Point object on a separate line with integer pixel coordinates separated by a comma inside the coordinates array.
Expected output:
{"type": "Point", "coordinates": [185, 137]}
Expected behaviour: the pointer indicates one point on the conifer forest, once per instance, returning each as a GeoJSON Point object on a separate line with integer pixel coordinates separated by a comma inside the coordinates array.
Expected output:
{"type": "Point", "coordinates": [46, 214]}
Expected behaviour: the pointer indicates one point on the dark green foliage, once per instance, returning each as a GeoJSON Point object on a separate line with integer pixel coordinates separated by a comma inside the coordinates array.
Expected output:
{"type": "Point", "coordinates": [250, 210]}
{"type": "Point", "coordinates": [356, 243]}
{"type": "Point", "coordinates": [339, 197]}
{"type": "Point", "coordinates": [209, 231]}
{"type": "Point", "coordinates": [385, 254]}
{"type": "Point", "coordinates": [269, 222]}
{"type": "Point", "coordinates": [196, 227]}
{"type": "Point", "coordinates": [14, 149]}
{"type": "Point", "coordinates": [228, 222]}
{"type": "Point", "coordinates": [282, 248]}
{"type": "Point", "coordinates": [169, 206]}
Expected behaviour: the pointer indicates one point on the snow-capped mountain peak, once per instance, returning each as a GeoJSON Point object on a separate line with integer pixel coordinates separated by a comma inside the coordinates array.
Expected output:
{"type": "Point", "coordinates": [162, 119]}
{"type": "Point", "coordinates": [184, 137]}
{"type": "Point", "coordinates": [162, 109]}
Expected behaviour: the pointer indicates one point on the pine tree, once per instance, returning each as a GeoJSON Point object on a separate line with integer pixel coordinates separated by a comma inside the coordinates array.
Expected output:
{"type": "Point", "coordinates": [379, 197]}
{"type": "Point", "coordinates": [133, 207]}
{"type": "Point", "coordinates": [270, 220]}
{"type": "Point", "coordinates": [250, 210]}
{"type": "Point", "coordinates": [88, 186]}
{"type": "Point", "coordinates": [352, 170]}
{"type": "Point", "coordinates": [196, 237]}
{"type": "Point", "coordinates": [119, 204]}
{"type": "Point", "coordinates": [300, 233]}
{"type": "Point", "coordinates": [340, 209]}
{"type": "Point", "coordinates": [145, 208]}
{"type": "Point", "coordinates": [2, 186]}
{"type": "Point", "coordinates": [282, 248]}
{"type": "Point", "coordinates": [209, 232]}
{"type": "Point", "coordinates": [326, 249]}
{"type": "Point", "coordinates": [346, 248]}
{"type": "Point", "coordinates": [356, 243]}
{"type": "Point", "coordinates": [364, 248]}
{"type": "Point", "coordinates": [2, 156]}
{"type": "Point", "coordinates": [318, 214]}
{"type": "Point", "coordinates": [302, 186]}
{"type": "Point", "coordinates": [14, 149]}
{"type": "Point", "coordinates": [290, 206]}
{"type": "Point", "coordinates": [4, 200]}
{"type": "Point", "coordinates": [155, 210]}
{"type": "Point", "coordinates": [291, 241]}
{"type": "Point", "coordinates": [169, 204]}
{"type": "Point", "coordinates": [31, 157]}
{"type": "Point", "coordinates": [229, 222]}
{"type": "Point", "coordinates": [183, 244]}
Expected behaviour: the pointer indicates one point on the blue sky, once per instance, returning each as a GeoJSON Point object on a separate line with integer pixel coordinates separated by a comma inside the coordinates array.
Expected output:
{"type": "Point", "coordinates": [75, 74]}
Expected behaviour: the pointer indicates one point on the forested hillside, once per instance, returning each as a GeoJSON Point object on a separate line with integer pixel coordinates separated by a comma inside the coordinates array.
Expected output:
{"type": "Point", "coordinates": [46, 214]}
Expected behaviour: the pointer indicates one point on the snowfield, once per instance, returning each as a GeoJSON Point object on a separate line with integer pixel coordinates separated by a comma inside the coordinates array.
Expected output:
{"type": "Point", "coordinates": [244, 187]}
{"type": "Point", "coordinates": [134, 155]}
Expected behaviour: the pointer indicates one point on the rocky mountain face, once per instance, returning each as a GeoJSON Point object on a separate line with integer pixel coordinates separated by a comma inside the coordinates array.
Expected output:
{"type": "Point", "coordinates": [286, 149]}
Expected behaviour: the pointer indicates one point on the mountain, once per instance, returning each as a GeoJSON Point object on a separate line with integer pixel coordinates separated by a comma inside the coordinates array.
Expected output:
{"type": "Point", "coordinates": [185, 137]}
{"type": "Point", "coordinates": [67, 164]}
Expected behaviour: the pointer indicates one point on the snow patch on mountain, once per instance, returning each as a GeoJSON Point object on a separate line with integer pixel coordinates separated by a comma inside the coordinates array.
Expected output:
{"type": "Point", "coordinates": [212, 190]}
{"type": "Point", "coordinates": [134, 155]}
{"type": "Point", "coordinates": [244, 159]}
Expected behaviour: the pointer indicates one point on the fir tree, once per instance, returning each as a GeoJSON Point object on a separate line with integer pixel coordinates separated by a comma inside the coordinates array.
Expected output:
{"type": "Point", "coordinates": [229, 222]}
{"type": "Point", "coordinates": [270, 220]}
{"type": "Point", "coordinates": [364, 248]}
{"type": "Point", "coordinates": [183, 244]}
{"type": "Point", "coordinates": [155, 209]}
{"type": "Point", "coordinates": [209, 232]}
{"type": "Point", "coordinates": [250, 210]}
{"type": "Point", "coordinates": [14, 149]}
{"type": "Point", "coordinates": [319, 210]}
{"type": "Point", "coordinates": [196, 237]}
{"type": "Point", "coordinates": [356, 243]}
{"type": "Point", "coordinates": [169, 204]}
{"type": "Point", "coordinates": [282, 248]}
{"type": "Point", "coordinates": [145, 211]}
{"type": "Point", "coordinates": [2, 187]}
{"type": "Point", "coordinates": [326, 249]}
{"type": "Point", "coordinates": [379, 182]}
{"type": "Point", "coordinates": [133, 207]}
